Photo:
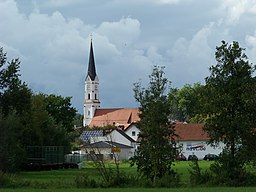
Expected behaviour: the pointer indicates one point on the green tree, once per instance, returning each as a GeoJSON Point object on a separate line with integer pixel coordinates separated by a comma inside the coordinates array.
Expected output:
{"type": "Point", "coordinates": [176, 113]}
{"type": "Point", "coordinates": [185, 103]}
{"type": "Point", "coordinates": [15, 102]}
{"type": "Point", "coordinates": [11, 150]}
{"type": "Point", "coordinates": [61, 110]}
{"type": "Point", "coordinates": [156, 152]}
{"type": "Point", "coordinates": [42, 128]}
{"type": "Point", "coordinates": [14, 94]}
{"type": "Point", "coordinates": [230, 107]}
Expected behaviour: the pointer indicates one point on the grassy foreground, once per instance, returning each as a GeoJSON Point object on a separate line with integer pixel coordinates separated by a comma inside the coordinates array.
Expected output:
{"type": "Point", "coordinates": [64, 181]}
{"type": "Point", "coordinates": [196, 189]}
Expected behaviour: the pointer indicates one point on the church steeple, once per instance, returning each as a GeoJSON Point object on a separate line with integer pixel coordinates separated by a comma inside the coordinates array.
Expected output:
{"type": "Point", "coordinates": [91, 96]}
{"type": "Point", "coordinates": [91, 66]}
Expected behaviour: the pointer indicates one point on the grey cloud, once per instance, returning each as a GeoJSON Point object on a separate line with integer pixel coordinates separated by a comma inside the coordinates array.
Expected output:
{"type": "Point", "coordinates": [52, 40]}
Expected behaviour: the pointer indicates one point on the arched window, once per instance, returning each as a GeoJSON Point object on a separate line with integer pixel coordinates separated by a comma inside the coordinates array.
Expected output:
{"type": "Point", "coordinates": [89, 96]}
{"type": "Point", "coordinates": [95, 96]}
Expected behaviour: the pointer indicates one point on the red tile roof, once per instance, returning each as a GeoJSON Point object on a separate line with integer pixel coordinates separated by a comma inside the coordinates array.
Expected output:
{"type": "Point", "coordinates": [190, 132]}
{"type": "Point", "coordinates": [111, 116]}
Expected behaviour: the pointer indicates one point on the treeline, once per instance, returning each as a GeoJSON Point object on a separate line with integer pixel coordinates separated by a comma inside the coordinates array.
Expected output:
{"type": "Point", "coordinates": [29, 119]}
{"type": "Point", "coordinates": [226, 104]}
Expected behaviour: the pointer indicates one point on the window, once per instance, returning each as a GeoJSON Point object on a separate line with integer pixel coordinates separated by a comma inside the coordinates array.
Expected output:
{"type": "Point", "coordinates": [95, 96]}
{"type": "Point", "coordinates": [133, 133]}
{"type": "Point", "coordinates": [89, 96]}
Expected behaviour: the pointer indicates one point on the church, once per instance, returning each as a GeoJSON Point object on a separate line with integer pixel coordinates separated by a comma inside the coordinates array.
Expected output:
{"type": "Point", "coordinates": [191, 140]}
{"type": "Point", "coordinates": [94, 115]}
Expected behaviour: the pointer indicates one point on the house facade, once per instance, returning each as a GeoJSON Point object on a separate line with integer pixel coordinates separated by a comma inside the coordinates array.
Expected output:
{"type": "Point", "coordinates": [193, 140]}
{"type": "Point", "coordinates": [114, 143]}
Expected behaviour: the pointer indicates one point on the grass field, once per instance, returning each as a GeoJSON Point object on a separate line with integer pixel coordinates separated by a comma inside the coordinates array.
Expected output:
{"type": "Point", "coordinates": [196, 189]}
{"type": "Point", "coordinates": [63, 181]}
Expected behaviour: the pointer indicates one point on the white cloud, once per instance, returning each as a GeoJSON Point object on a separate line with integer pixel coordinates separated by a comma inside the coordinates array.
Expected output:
{"type": "Point", "coordinates": [61, 3]}
{"type": "Point", "coordinates": [121, 33]}
{"type": "Point", "coordinates": [193, 57]}
{"type": "Point", "coordinates": [251, 50]}
{"type": "Point", "coordinates": [235, 9]}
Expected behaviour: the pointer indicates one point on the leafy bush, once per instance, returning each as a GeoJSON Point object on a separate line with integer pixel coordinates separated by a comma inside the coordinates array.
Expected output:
{"type": "Point", "coordinates": [238, 177]}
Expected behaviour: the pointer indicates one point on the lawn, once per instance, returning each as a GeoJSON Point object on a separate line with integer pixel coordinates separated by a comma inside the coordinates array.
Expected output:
{"type": "Point", "coordinates": [196, 189]}
{"type": "Point", "coordinates": [63, 180]}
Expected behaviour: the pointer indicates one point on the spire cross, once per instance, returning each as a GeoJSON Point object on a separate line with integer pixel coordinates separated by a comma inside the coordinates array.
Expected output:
{"type": "Point", "coordinates": [91, 36]}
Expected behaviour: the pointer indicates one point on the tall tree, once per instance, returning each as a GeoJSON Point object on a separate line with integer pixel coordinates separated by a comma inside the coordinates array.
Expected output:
{"type": "Point", "coordinates": [156, 152]}
{"type": "Point", "coordinates": [230, 107]}
{"type": "Point", "coordinates": [15, 102]}
{"type": "Point", "coordinates": [14, 94]}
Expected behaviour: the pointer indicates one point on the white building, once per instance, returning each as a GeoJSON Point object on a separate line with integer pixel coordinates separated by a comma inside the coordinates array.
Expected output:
{"type": "Point", "coordinates": [193, 140]}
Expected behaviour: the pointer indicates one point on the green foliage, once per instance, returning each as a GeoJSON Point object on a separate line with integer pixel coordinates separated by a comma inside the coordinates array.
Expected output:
{"type": "Point", "coordinates": [28, 119]}
{"type": "Point", "coordinates": [230, 107]}
{"type": "Point", "coordinates": [78, 120]}
{"type": "Point", "coordinates": [14, 94]}
{"type": "Point", "coordinates": [14, 105]}
{"type": "Point", "coordinates": [61, 110]}
{"type": "Point", "coordinates": [84, 181]}
{"type": "Point", "coordinates": [156, 153]}
{"type": "Point", "coordinates": [197, 176]}
{"type": "Point", "coordinates": [8, 180]}
{"type": "Point", "coordinates": [11, 151]}
{"type": "Point", "coordinates": [185, 103]}
{"type": "Point", "coordinates": [42, 128]}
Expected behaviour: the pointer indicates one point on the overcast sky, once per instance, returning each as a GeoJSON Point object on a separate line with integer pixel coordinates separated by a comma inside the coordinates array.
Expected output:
{"type": "Point", "coordinates": [52, 38]}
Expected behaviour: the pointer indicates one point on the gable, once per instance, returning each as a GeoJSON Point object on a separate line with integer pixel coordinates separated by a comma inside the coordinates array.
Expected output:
{"type": "Point", "coordinates": [133, 131]}
{"type": "Point", "coordinates": [120, 137]}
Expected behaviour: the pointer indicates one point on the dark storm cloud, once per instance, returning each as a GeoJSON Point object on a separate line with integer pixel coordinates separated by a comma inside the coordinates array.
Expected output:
{"type": "Point", "coordinates": [51, 38]}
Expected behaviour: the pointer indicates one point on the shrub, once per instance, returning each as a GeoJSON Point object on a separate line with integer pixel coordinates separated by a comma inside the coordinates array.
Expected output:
{"type": "Point", "coordinates": [238, 177]}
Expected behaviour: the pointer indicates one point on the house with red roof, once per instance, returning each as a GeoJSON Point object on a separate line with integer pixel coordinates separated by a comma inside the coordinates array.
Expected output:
{"type": "Point", "coordinates": [193, 140]}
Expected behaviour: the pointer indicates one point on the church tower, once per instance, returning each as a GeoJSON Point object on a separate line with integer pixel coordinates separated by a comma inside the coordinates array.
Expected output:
{"type": "Point", "coordinates": [91, 96]}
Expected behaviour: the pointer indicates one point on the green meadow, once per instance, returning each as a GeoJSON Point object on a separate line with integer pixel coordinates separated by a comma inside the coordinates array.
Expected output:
{"type": "Point", "coordinates": [64, 180]}
{"type": "Point", "coordinates": [196, 189]}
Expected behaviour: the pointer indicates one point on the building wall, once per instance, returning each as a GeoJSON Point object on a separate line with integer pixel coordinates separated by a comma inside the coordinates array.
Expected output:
{"type": "Point", "coordinates": [115, 136]}
{"type": "Point", "coordinates": [198, 148]}
{"type": "Point", "coordinates": [133, 132]}
{"type": "Point", "coordinates": [125, 153]}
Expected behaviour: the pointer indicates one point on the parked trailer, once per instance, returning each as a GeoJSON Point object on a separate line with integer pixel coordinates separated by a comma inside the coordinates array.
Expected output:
{"type": "Point", "coordinates": [46, 158]}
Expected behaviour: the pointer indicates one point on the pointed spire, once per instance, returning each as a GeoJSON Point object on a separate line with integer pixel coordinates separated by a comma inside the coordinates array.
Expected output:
{"type": "Point", "coordinates": [91, 66]}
